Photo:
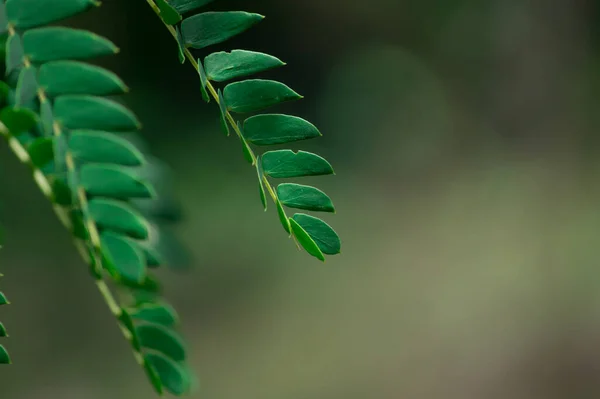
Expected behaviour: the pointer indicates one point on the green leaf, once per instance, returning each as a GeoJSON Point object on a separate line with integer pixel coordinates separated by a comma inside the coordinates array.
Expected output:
{"type": "Point", "coordinates": [27, 86]}
{"type": "Point", "coordinates": [261, 187]}
{"type": "Point", "coordinates": [174, 378]}
{"type": "Point", "coordinates": [41, 151]}
{"type": "Point", "coordinates": [153, 376]}
{"type": "Point", "coordinates": [210, 28]}
{"type": "Point", "coordinates": [113, 181]}
{"type": "Point", "coordinates": [283, 217]}
{"type": "Point", "coordinates": [287, 163]}
{"type": "Point", "coordinates": [304, 197]}
{"type": "Point", "coordinates": [268, 129]}
{"type": "Point", "coordinates": [162, 314]}
{"type": "Point", "coordinates": [168, 14]}
{"type": "Point", "coordinates": [325, 237]}
{"type": "Point", "coordinates": [223, 109]}
{"type": "Point", "coordinates": [103, 147]}
{"type": "Point", "coordinates": [59, 43]}
{"type": "Point", "coordinates": [127, 322]}
{"type": "Point", "coordinates": [18, 120]}
{"type": "Point", "coordinates": [118, 216]}
{"type": "Point", "coordinates": [122, 260]}
{"type": "Point", "coordinates": [180, 45]}
{"type": "Point", "coordinates": [184, 6]}
{"type": "Point", "coordinates": [223, 66]}
{"type": "Point", "coordinates": [161, 339]}
{"type": "Point", "coordinates": [3, 300]}
{"type": "Point", "coordinates": [3, 332]}
{"type": "Point", "coordinates": [91, 112]}
{"type": "Point", "coordinates": [61, 191]}
{"type": "Point", "coordinates": [47, 118]}
{"type": "Point", "coordinates": [306, 241]}
{"type": "Point", "coordinates": [5, 91]}
{"type": "Point", "coordinates": [74, 77]}
{"type": "Point", "coordinates": [60, 156]}
{"type": "Point", "coordinates": [245, 148]}
{"type": "Point", "coordinates": [257, 94]}
{"type": "Point", "coordinates": [203, 82]}
{"type": "Point", "coordinates": [14, 53]}
{"type": "Point", "coordinates": [30, 13]}
{"type": "Point", "coordinates": [3, 19]}
{"type": "Point", "coordinates": [4, 357]}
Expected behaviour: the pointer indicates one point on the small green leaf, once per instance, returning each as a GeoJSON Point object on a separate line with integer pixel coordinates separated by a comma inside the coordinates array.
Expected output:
{"type": "Point", "coordinates": [261, 187]}
{"type": "Point", "coordinates": [153, 376]}
{"type": "Point", "coordinates": [14, 53]}
{"type": "Point", "coordinates": [210, 28]}
{"type": "Point", "coordinates": [27, 86]}
{"type": "Point", "coordinates": [3, 19]}
{"type": "Point", "coordinates": [184, 6]}
{"type": "Point", "coordinates": [325, 237]}
{"type": "Point", "coordinates": [3, 332]}
{"type": "Point", "coordinates": [203, 82]}
{"type": "Point", "coordinates": [306, 241]}
{"type": "Point", "coordinates": [41, 151]}
{"type": "Point", "coordinates": [245, 148]}
{"type": "Point", "coordinates": [161, 339]}
{"type": "Point", "coordinates": [257, 94]}
{"type": "Point", "coordinates": [223, 109]}
{"type": "Point", "coordinates": [18, 120]}
{"type": "Point", "coordinates": [122, 260]}
{"type": "Point", "coordinates": [268, 129]}
{"type": "Point", "coordinates": [47, 118]}
{"type": "Point", "coordinates": [180, 45]}
{"type": "Point", "coordinates": [304, 197]}
{"type": "Point", "coordinates": [287, 163]}
{"type": "Point", "coordinates": [168, 14]}
{"type": "Point", "coordinates": [60, 157]}
{"type": "Point", "coordinates": [61, 191]}
{"type": "Point", "coordinates": [162, 314]}
{"type": "Point", "coordinates": [5, 91]}
{"type": "Point", "coordinates": [127, 322]}
{"type": "Point", "coordinates": [104, 147]}
{"type": "Point", "coordinates": [26, 14]}
{"type": "Point", "coordinates": [3, 300]}
{"type": "Point", "coordinates": [91, 112]}
{"type": "Point", "coordinates": [74, 77]}
{"type": "Point", "coordinates": [172, 376]}
{"type": "Point", "coordinates": [118, 216]}
{"type": "Point", "coordinates": [223, 66]}
{"type": "Point", "coordinates": [283, 217]}
{"type": "Point", "coordinates": [59, 43]}
{"type": "Point", "coordinates": [113, 181]}
{"type": "Point", "coordinates": [4, 357]}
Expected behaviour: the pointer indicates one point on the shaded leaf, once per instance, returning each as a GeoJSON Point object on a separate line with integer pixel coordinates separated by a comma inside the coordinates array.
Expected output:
{"type": "Point", "coordinates": [287, 163]}
{"type": "Point", "coordinates": [47, 118]}
{"type": "Point", "coordinates": [304, 197]}
{"type": "Point", "coordinates": [172, 376]}
{"type": "Point", "coordinates": [74, 77]}
{"type": "Point", "coordinates": [60, 43]}
{"type": "Point", "coordinates": [14, 53]}
{"type": "Point", "coordinates": [168, 14]}
{"type": "Point", "coordinates": [122, 260]}
{"type": "Point", "coordinates": [180, 45]}
{"type": "Point", "coordinates": [261, 187]}
{"type": "Point", "coordinates": [223, 66]}
{"type": "Point", "coordinates": [3, 300]}
{"type": "Point", "coordinates": [257, 94]}
{"type": "Point", "coordinates": [268, 129]}
{"type": "Point", "coordinates": [162, 314]}
{"type": "Point", "coordinates": [161, 339]}
{"type": "Point", "coordinates": [223, 109]}
{"type": "Point", "coordinates": [27, 86]}
{"type": "Point", "coordinates": [210, 28]}
{"type": "Point", "coordinates": [113, 181]}
{"type": "Point", "coordinates": [184, 6]}
{"type": "Point", "coordinates": [119, 217]}
{"type": "Point", "coordinates": [104, 147]}
{"type": "Point", "coordinates": [203, 82]}
{"type": "Point", "coordinates": [31, 13]}
{"type": "Point", "coordinates": [3, 333]}
{"type": "Point", "coordinates": [325, 237]}
{"type": "Point", "coordinates": [91, 112]}
{"type": "Point", "coordinates": [18, 120]}
{"type": "Point", "coordinates": [282, 217]}
{"type": "Point", "coordinates": [4, 356]}
{"type": "Point", "coordinates": [41, 151]}
{"type": "Point", "coordinates": [306, 241]}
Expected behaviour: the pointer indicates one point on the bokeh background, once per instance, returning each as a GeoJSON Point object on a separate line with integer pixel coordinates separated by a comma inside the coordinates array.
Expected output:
{"type": "Point", "coordinates": [465, 137]}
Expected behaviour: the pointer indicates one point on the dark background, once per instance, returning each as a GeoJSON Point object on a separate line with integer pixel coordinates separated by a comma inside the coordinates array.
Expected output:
{"type": "Point", "coordinates": [465, 139]}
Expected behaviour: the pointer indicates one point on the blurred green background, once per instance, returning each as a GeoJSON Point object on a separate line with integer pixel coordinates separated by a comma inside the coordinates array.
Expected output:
{"type": "Point", "coordinates": [465, 139]}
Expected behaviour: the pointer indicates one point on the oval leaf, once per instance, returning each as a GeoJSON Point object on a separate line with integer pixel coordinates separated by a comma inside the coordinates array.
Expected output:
{"type": "Point", "coordinates": [122, 260]}
{"type": "Point", "coordinates": [14, 53]}
{"type": "Point", "coordinates": [306, 241]}
{"type": "Point", "coordinates": [304, 197]}
{"type": "Point", "coordinates": [210, 28]}
{"type": "Point", "coordinates": [59, 43]}
{"type": "Point", "coordinates": [90, 112]}
{"type": "Point", "coordinates": [30, 13]}
{"type": "Point", "coordinates": [118, 216]}
{"type": "Point", "coordinates": [3, 299]}
{"type": "Point", "coordinates": [325, 237]}
{"type": "Point", "coordinates": [168, 14]}
{"type": "Point", "coordinates": [283, 217]}
{"type": "Point", "coordinates": [184, 6]}
{"type": "Point", "coordinates": [18, 120]}
{"type": "Point", "coordinates": [172, 376]}
{"type": "Point", "coordinates": [96, 146]}
{"type": "Point", "coordinates": [113, 181]}
{"type": "Point", "coordinates": [4, 357]}
{"type": "Point", "coordinates": [287, 163]}
{"type": "Point", "coordinates": [225, 66]}
{"type": "Point", "coordinates": [74, 77]}
{"type": "Point", "coordinates": [27, 86]}
{"type": "Point", "coordinates": [162, 314]}
{"type": "Point", "coordinates": [270, 129]}
{"type": "Point", "coordinates": [41, 151]}
{"type": "Point", "coordinates": [257, 94]}
{"type": "Point", "coordinates": [161, 339]}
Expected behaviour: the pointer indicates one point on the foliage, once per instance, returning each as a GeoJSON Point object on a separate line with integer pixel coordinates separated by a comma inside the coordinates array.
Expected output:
{"type": "Point", "coordinates": [58, 119]}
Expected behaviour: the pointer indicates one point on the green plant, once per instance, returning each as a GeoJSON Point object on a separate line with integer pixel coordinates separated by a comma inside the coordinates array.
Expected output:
{"type": "Point", "coordinates": [57, 121]}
